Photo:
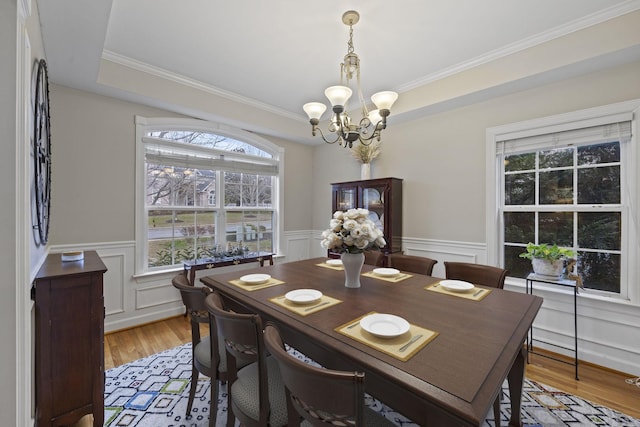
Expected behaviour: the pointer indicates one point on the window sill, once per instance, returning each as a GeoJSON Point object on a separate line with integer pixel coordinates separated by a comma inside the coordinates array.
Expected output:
{"type": "Point", "coordinates": [155, 274]}
{"type": "Point", "coordinates": [150, 275]}
{"type": "Point", "coordinates": [584, 297]}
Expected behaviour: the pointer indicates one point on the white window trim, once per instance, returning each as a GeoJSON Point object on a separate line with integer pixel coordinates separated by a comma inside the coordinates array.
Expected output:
{"type": "Point", "coordinates": [148, 124]}
{"type": "Point", "coordinates": [573, 120]}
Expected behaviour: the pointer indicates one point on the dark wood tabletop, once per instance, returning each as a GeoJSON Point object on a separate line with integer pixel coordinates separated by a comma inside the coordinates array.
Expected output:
{"type": "Point", "coordinates": [453, 380]}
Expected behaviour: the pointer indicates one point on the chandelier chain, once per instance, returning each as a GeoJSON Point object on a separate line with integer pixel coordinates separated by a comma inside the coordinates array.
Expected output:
{"type": "Point", "coordinates": [350, 42]}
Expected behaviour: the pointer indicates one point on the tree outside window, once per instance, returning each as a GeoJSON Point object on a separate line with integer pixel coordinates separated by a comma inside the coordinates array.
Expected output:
{"type": "Point", "coordinates": [569, 196]}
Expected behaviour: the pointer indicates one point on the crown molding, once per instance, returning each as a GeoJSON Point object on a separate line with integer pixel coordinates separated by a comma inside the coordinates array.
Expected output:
{"type": "Point", "coordinates": [527, 43]}
{"type": "Point", "coordinates": [126, 61]}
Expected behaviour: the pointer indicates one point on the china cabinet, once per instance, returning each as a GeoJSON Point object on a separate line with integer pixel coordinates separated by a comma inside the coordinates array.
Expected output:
{"type": "Point", "coordinates": [69, 344]}
{"type": "Point", "coordinates": [382, 197]}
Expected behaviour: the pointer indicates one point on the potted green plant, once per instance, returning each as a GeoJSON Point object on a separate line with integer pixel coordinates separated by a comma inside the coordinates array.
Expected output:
{"type": "Point", "coordinates": [547, 260]}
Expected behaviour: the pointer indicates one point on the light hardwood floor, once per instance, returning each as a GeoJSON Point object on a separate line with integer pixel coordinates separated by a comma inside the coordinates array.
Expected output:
{"type": "Point", "coordinates": [596, 384]}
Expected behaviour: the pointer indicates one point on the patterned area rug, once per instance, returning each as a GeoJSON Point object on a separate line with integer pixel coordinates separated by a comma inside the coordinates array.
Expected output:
{"type": "Point", "coordinates": [153, 392]}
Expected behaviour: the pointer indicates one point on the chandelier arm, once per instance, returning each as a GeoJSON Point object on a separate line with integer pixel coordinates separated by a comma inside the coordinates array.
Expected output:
{"type": "Point", "coordinates": [368, 140]}
{"type": "Point", "coordinates": [338, 136]}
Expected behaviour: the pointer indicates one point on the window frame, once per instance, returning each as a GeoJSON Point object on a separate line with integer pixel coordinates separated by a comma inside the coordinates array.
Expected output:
{"type": "Point", "coordinates": [630, 160]}
{"type": "Point", "coordinates": [145, 125]}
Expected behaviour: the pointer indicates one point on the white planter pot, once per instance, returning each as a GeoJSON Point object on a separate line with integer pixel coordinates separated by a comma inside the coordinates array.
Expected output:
{"type": "Point", "coordinates": [544, 267]}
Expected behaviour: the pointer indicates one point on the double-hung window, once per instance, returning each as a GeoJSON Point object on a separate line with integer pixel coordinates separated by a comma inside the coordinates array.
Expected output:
{"type": "Point", "coordinates": [203, 189]}
{"type": "Point", "coordinates": [568, 180]}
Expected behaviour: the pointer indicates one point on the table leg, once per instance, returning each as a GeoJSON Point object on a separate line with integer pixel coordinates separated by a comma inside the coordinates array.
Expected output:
{"type": "Point", "coordinates": [516, 380]}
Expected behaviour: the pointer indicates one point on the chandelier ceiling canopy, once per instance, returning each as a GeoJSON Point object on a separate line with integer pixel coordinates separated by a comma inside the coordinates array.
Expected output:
{"type": "Point", "coordinates": [346, 131]}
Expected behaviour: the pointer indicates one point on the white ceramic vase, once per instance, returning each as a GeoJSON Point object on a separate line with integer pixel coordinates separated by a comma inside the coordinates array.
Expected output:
{"type": "Point", "coordinates": [365, 171]}
{"type": "Point", "coordinates": [545, 267]}
{"type": "Point", "coordinates": [352, 264]}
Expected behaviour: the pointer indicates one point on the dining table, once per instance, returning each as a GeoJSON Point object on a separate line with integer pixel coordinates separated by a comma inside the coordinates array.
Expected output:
{"type": "Point", "coordinates": [458, 351]}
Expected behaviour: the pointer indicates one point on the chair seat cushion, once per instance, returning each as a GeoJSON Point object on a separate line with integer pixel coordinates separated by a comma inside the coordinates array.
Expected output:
{"type": "Point", "coordinates": [244, 392]}
{"type": "Point", "coordinates": [202, 354]}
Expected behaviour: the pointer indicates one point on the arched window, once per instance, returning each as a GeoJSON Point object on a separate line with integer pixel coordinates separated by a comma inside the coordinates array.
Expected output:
{"type": "Point", "coordinates": [202, 189]}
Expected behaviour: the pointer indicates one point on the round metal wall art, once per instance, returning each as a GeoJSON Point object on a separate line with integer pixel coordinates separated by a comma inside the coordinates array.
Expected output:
{"type": "Point", "coordinates": [42, 155]}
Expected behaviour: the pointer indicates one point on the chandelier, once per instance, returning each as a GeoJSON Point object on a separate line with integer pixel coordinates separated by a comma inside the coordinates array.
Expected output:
{"type": "Point", "coordinates": [345, 131]}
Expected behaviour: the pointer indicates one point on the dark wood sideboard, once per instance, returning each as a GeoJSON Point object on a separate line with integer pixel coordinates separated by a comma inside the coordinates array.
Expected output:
{"type": "Point", "coordinates": [69, 344]}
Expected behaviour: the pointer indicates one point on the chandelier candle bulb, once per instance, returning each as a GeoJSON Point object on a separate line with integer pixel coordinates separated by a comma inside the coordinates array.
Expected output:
{"type": "Point", "coordinates": [338, 95]}
{"type": "Point", "coordinates": [375, 118]}
{"type": "Point", "coordinates": [314, 109]}
{"type": "Point", "coordinates": [384, 100]}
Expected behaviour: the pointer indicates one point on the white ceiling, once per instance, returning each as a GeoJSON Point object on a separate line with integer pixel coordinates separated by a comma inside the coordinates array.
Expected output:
{"type": "Point", "coordinates": [277, 55]}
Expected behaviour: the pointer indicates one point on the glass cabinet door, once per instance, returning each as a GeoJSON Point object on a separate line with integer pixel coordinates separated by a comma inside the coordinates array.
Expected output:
{"type": "Point", "coordinates": [346, 198]}
{"type": "Point", "coordinates": [373, 199]}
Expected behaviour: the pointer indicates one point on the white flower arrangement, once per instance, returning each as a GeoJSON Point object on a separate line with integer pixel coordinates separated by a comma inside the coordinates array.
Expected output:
{"type": "Point", "coordinates": [352, 232]}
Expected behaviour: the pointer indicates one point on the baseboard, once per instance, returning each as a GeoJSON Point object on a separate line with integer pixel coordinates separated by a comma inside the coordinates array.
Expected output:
{"type": "Point", "coordinates": [129, 322]}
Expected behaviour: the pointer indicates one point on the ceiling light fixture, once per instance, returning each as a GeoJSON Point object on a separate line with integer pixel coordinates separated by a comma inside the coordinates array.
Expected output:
{"type": "Point", "coordinates": [372, 122]}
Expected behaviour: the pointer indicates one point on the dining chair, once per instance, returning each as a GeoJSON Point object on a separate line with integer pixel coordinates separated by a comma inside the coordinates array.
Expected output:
{"type": "Point", "coordinates": [375, 258]}
{"type": "Point", "coordinates": [256, 392]}
{"type": "Point", "coordinates": [215, 368]}
{"type": "Point", "coordinates": [202, 347]}
{"type": "Point", "coordinates": [321, 397]}
{"type": "Point", "coordinates": [478, 274]}
{"type": "Point", "coordinates": [411, 263]}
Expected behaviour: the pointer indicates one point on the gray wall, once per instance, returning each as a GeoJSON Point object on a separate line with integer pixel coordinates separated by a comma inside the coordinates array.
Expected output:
{"type": "Point", "coordinates": [442, 157]}
{"type": "Point", "coordinates": [94, 169]}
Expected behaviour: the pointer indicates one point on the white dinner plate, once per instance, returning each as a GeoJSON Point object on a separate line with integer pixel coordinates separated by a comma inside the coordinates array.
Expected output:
{"type": "Point", "coordinates": [334, 261]}
{"type": "Point", "coordinates": [303, 296]}
{"type": "Point", "coordinates": [371, 197]}
{"type": "Point", "coordinates": [386, 272]}
{"type": "Point", "coordinates": [255, 279]}
{"type": "Point", "coordinates": [384, 325]}
{"type": "Point", "coordinates": [456, 285]}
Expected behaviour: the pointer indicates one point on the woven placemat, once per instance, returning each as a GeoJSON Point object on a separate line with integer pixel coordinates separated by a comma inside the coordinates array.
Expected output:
{"type": "Point", "coordinates": [249, 287]}
{"type": "Point", "coordinates": [332, 267]}
{"type": "Point", "coordinates": [393, 279]}
{"type": "Point", "coordinates": [305, 309]}
{"type": "Point", "coordinates": [398, 347]}
{"type": "Point", "coordinates": [475, 294]}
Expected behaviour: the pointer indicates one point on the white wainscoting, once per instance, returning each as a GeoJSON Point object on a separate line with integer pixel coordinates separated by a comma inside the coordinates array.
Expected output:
{"type": "Point", "coordinates": [135, 300]}
{"type": "Point", "coordinates": [297, 246]}
{"type": "Point", "coordinates": [608, 332]}
{"type": "Point", "coordinates": [131, 301]}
